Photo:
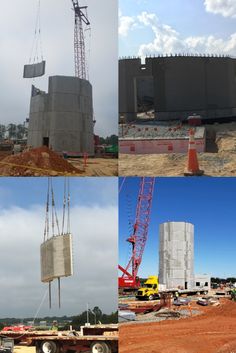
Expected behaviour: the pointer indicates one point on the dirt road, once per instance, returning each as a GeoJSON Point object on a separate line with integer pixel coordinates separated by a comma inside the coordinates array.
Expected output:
{"type": "Point", "coordinates": [212, 332]}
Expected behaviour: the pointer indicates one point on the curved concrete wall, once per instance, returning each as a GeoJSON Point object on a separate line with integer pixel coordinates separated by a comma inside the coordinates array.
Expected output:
{"type": "Point", "coordinates": [64, 116]}
{"type": "Point", "coordinates": [176, 255]}
{"type": "Point", "coordinates": [183, 85]}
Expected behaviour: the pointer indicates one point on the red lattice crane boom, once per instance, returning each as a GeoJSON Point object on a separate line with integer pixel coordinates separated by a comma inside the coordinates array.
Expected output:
{"type": "Point", "coordinates": [129, 278]}
{"type": "Point", "coordinates": [79, 43]}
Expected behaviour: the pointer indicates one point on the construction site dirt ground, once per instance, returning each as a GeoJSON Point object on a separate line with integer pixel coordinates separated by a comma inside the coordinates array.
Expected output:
{"type": "Point", "coordinates": [220, 160]}
{"type": "Point", "coordinates": [34, 167]}
{"type": "Point", "coordinates": [214, 331]}
{"type": "Point", "coordinates": [97, 166]}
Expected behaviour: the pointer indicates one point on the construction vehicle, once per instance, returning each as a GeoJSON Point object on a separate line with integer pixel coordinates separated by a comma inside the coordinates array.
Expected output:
{"type": "Point", "coordinates": [153, 290]}
{"type": "Point", "coordinates": [129, 280]}
{"type": "Point", "coordinates": [149, 290]}
{"type": "Point", "coordinates": [90, 339]}
{"type": "Point", "coordinates": [111, 151]}
{"type": "Point", "coordinates": [93, 339]}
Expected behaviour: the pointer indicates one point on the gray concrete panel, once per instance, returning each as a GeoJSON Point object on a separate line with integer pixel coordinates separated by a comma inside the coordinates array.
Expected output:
{"type": "Point", "coordinates": [68, 84]}
{"type": "Point", "coordinates": [56, 257]}
{"type": "Point", "coordinates": [34, 70]}
{"type": "Point", "coordinates": [183, 85]}
{"type": "Point", "coordinates": [65, 115]}
{"type": "Point", "coordinates": [176, 255]}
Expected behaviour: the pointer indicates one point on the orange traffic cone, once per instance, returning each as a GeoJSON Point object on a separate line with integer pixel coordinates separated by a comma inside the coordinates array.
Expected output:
{"type": "Point", "coordinates": [192, 167]}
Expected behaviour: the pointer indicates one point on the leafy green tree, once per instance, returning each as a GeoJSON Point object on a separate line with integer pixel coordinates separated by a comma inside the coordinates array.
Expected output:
{"type": "Point", "coordinates": [2, 131]}
{"type": "Point", "coordinates": [11, 128]}
{"type": "Point", "coordinates": [81, 319]}
{"type": "Point", "coordinates": [21, 131]}
{"type": "Point", "coordinates": [109, 140]}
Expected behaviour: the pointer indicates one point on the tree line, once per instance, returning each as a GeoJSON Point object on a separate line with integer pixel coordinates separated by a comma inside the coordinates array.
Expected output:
{"type": "Point", "coordinates": [13, 132]}
{"type": "Point", "coordinates": [95, 316]}
{"type": "Point", "coordinates": [109, 140]}
{"type": "Point", "coordinates": [223, 280]}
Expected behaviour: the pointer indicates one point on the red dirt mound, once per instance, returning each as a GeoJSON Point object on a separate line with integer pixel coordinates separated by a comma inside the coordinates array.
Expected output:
{"type": "Point", "coordinates": [36, 162]}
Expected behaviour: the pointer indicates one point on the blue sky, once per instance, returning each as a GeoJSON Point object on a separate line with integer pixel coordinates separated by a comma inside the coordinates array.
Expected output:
{"type": "Point", "coordinates": [208, 203]}
{"type": "Point", "coordinates": [28, 192]}
{"type": "Point", "coordinates": [203, 26]}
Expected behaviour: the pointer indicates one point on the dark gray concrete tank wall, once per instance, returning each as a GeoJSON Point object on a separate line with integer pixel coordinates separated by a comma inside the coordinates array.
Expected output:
{"type": "Point", "coordinates": [64, 115]}
{"type": "Point", "coordinates": [183, 85]}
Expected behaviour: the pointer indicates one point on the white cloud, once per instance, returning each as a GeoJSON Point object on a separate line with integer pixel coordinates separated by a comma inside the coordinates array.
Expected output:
{"type": "Point", "coordinates": [168, 41]}
{"type": "Point", "coordinates": [226, 8]}
{"type": "Point", "coordinates": [126, 23]}
{"type": "Point", "coordinates": [95, 262]}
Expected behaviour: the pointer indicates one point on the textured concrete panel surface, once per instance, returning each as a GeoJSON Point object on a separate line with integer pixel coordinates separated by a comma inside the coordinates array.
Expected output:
{"type": "Point", "coordinates": [176, 254]}
{"type": "Point", "coordinates": [183, 85]}
{"type": "Point", "coordinates": [64, 116]}
{"type": "Point", "coordinates": [56, 257]}
{"type": "Point", "coordinates": [34, 70]}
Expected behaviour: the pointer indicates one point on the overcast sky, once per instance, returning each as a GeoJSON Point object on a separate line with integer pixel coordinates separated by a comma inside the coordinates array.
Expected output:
{"type": "Point", "coordinates": [17, 25]}
{"type": "Point", "coordinates": [150, 27]}
{"type": "Point", "coordinates": [94, 229]}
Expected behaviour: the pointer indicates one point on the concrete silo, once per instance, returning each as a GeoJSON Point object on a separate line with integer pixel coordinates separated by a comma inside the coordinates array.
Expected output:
{"type": "Point", "coordinates": [63, 118]}
{"type": "Point", "coordinates": [176, 255]}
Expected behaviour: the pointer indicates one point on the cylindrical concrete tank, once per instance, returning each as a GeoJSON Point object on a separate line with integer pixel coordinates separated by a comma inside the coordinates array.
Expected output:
{"type": "Point", "coordinates": [63, 118]}
{"type": "Point", "coordinates": [176, 255]}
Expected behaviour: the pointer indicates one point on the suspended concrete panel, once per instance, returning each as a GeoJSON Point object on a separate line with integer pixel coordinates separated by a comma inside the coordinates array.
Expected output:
{"type": "Point", "coordinates": [34, 70]}
{"type": "Point", "coordinates": [176, 255]}
{"type": "Point", "coordinates": [56, 258]}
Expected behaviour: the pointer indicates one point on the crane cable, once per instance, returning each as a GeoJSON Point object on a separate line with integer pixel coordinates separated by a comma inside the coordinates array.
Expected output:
{"type": "Point", "coordinates": [46, 229]}
{"type": "Point", "coordinates": [54, 213]}
{"type": "Point", "coordinates": [37, 40]}
{"type": "Point", "coordinates": [66, 206]}
{"type": "Point", "coordinates": [122, 184]}
{"type": "Point", "coordinates": [40, 305]}
{"type": "Point", "coordinates": [51, 212]}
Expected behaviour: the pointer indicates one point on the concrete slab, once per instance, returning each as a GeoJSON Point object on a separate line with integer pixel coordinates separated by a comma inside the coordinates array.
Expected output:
{"type": "Point", "coordinates": [34, 70]}
{"type": "Point", "coordinates": [56, 257]}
